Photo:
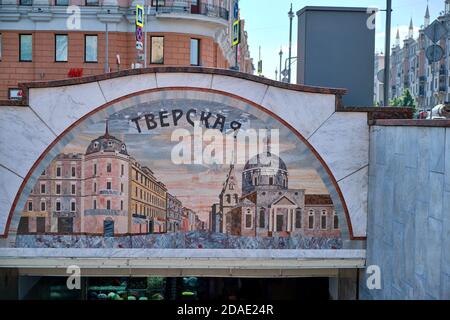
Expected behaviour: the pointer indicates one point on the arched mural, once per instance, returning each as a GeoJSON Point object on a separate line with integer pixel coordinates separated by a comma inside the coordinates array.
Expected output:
{"type": "Point", "coordinates": [181, 169]}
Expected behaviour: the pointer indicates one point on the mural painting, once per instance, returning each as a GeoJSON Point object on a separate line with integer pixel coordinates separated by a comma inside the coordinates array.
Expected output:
{"type": "Point", "coordinates": [182, 173]}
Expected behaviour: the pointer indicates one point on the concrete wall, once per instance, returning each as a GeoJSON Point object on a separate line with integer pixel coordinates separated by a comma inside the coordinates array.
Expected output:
{"type": "Point", "coordinates": [408, 234]}
{"type": "Point", "coordinates": [336, 50]}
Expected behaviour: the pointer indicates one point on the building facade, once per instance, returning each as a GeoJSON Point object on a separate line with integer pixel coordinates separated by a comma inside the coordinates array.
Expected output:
{"type": "Point", "coordinates": [174, 213]}
{"type": "Point", "coordinates": [428, 83]}
{"type": "Point", "coordinates": [269, 208]}
{"type": "Point", "coordinates": [55, 39]}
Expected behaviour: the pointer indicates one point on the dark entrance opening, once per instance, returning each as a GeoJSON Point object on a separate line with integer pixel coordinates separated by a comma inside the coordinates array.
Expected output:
{"type": "Point", "coordinates": [187, 288]}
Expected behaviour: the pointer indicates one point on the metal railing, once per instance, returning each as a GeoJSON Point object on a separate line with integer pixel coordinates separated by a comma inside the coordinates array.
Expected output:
{"type": "Point", "coordinates": [188, 7]}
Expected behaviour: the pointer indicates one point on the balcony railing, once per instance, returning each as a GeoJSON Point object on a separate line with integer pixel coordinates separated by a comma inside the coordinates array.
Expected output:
{"type": "Point", "coordinates": [189, 7]}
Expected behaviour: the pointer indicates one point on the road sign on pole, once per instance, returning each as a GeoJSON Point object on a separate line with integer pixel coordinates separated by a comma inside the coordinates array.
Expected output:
{"type": "Point", "coordinates": [140, 16]}
{"type": "Point", "coordinates": [236, 33]}
{"type": "Point", "coordinates": [435, 31]}
{"type": "Point", "coordinates": [434, 53]}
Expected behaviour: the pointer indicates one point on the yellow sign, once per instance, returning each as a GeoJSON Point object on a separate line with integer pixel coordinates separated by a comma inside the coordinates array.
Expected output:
{"type": "Point", "coordinates": [236, 33]}
{"type": "Point", "coordinates": [140, 16]}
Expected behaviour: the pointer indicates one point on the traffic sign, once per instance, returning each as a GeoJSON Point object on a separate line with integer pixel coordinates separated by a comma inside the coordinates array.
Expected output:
{"type": "Point", "coordinates": [434, 53]}
{"type": "Point", "coordinates": [380, 76]}
{"type": "Point", "coordinates": [236, 33]}
{"type": "Point", "coordinates": [140, 16]}
{"type": "Point", "coordinates": [139, 34]}
{"type": "Point", "coordinates": [236, 11]}
{"type": "Point", "coordinates": [435, 31]}
{"type": "Point", "coordinates": [139, 45]}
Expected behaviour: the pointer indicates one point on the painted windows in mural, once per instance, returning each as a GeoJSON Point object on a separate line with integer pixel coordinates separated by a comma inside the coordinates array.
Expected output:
{"type": "Point", "coordinates": [311, 219]}
{"type": "Point", "coordinates": [30, 205]}
{"type": "Point", "coordinates": [108, 204]}
{"type": "Point", "coordinates": [58, 205]}
{"type": "Point", "coordinates": [122, 170]}
{"type": "Point", "coordinates": [26, 2]}
{"type": "Point", "coordinates": [157, 50]}
{"type": "Point", "coordinates": [248, 219]}
{"type": "Point", "coordinates": [40, 224]}
{"type": "Point", "coordinates": [73, 206]}
{"type": "Point", "coordinates": [298, 218]}
{"type": "Point", "coordinates": [108, 185]}
{"type": "Point", "coordinates": [335, 221]}
{"type": "Point", "coordinates": [323, 220]}
{"type": "Point", "coordinates": [58, 188]}
{"type": "Point", "coordinates": [25, 47]}
{"type": "Point", "coordinates": [43, 188]}
{"type": "Point", "coordinates": [94, 204]}
{"type": "Point", "coordinates": [73, 188]}
{"type": "Point", "coordinates": [262, 218]}
{"type": "Point", "coordinates": [58, 171]}
{"type": "Point", "coordinates": [61, 47]}
{"type": "Point", "coordinates": [90, 48]}
{"type": "Point", "coordinates": [108, 168]}
{"type": "Point", "coordinates": [279, 222]}
{"type": "Point", "coordinates": [73, 172]}
{"type": "Point", "coordinates": [92, 2]}
{"type": "Point", "coordinates": [195, 52]}
{"type": "Point", "coordinates": [43, 205]}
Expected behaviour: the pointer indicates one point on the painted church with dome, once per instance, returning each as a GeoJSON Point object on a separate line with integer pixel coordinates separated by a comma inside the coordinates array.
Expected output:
{"type": "Point", "coordinates": [267, 207]}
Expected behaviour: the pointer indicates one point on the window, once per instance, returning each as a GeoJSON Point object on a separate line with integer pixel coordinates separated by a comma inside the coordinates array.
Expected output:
{"type": "Point", "coordinates": [43, 173]}
{"type": "Point", "coordinates": [262, 221]}
{"type": "Point", "coordinates": [157, 50]}
{"type": "Point", "coordinates": [43, 188]}
{"type": "Point", "coordinates": [335, 221]}
{"type": "Point", "coordinates": [90, 48]}
{"type": "Point", "coordinates": [30, 206]}
{"type": "Point", "coordinates": [58, 188]}
{"type": "Point", "coordinates": [73, 187]}
{"type": "Point", "coordinates": [270, 181]}
{"type": "Point", "coordinates": [95, 169]}
{"type": "Point", "coordinates": [40, 224]}
{"type": "Point", "coordinates": [58, 205]}
{"type": "Point", "coordinates": [58, 171]}
{"type": "Point", "coordinates": [298, 218]}
{"type": "Point", "coordinates": [158, 3]}
{"type": "Point", "coordinates": [73, 206]}
{"type": "Point", "coordinates": [26, 2]}
{"type": "Point", "coordinates": [43, 205]}
{"type": "Point", "coordinates": [122, 170]}
{"type": "Point", "coordinates": [62, 2]}
{"type": "Point", "coordinates": [95, 187]}
{"type": "Point", "coordinates": [91, 2]}
{"type": "Point", "coordinates": [108, 185]}
{"type": "Point", "coordinates": [121, 204]}
{"type": "Point", "coordinates": [323, 220]}
{"type": "Point", "coordinates": [25, 47]}
{"type": "Point", "coordinates": [108, 204]}
{"type": "Point", "coordinates": [228, 197]}
{"type": "Point", "coordinates": [195, 52]}
{"type": "Point", "coordinates": [94, 204]}
{"type": "Point", "coordinates": [108, 167]}
{"type": "Point", "coordinates": [311, 219]}
{"type": "Point", "coordinates": [73, 171]}
{"type": "Point", "coordinates": [248, 220]}
{"type": "Point", "coordinates": [121, 187]}
{"type": "Point", "coordinates": [61, 47]}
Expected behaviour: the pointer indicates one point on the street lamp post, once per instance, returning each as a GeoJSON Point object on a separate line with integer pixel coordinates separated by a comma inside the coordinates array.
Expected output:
{"type": "Point", "coordinates": [291, 17]}
{"type": "Point", "coordinates": [281, 61]}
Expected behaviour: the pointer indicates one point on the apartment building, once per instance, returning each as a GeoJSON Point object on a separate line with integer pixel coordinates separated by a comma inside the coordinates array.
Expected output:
{"type": "Point", "coordinates": [55, 39]}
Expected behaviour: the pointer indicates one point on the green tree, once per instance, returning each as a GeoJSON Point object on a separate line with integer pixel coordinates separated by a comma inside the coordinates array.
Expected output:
{"type": "Point", "coordinates": [405, 100]}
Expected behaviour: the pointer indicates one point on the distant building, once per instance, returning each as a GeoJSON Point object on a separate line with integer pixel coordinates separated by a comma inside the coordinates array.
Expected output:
{"type": "Point", "coordinates": [228, 198]}
{"type": "Point", "coordinates": [174, 213]}
{"type": "Point", "coordinates": [378, 85]}
{"type": "Point", "coordinates": [269, 208]}
{"type": "Point", "coordinates": [55, 203]}
{"type": "Point", "coordinates": [215, 218]}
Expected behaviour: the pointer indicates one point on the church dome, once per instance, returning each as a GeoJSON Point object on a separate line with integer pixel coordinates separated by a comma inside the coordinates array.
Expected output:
{"type": "Point", "coordinates": [106, 143]}
{"type": "Point", "coordinates": [266, 161]}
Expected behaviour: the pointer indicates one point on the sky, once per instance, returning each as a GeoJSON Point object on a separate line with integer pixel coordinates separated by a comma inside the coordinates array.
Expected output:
{"type": "Point", "coordinates": [268, 24]}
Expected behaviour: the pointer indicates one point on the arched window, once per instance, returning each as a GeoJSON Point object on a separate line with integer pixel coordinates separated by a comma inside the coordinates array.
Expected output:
{"type": "Point", "coordinates": [236, 198]}
{"type": "Point", "coordinates": [270, 180]}
{"type": "Point", "coordinates": [228, 197]}
{"type": "Point", "coordinates": [262, 218]}
{"type": "Point", "coordinates": [311, 219]}
{"type": "Point", "coordinates": [323, 220]}
{"type": "Point", "coordinates": [298, 218]}
{"type": "Point", "coordinates": [335, 220]}
{"type": "Point", "coordinates": [248, 219]}
{"type": "Point", "coordinates": [231, 186]}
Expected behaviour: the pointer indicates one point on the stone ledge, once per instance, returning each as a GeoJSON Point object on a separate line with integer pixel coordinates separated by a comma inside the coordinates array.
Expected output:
{"type": "Point", "coordinates": [410, 123]}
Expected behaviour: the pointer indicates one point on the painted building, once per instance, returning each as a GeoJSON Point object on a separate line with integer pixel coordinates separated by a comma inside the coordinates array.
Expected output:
{"type": "Point", "coordinates": [269, 208]}
{"type": "Point", "coordinates": [44, 40]}
{"type": "Point", "coordinates": [228, 198]}
{"type": "Point", "coordinates": [147, 200]}
{"type": "Point", "coordinates": [106, 175]}
{"type": "Point", "coordinates": [174, 213]}
{"type": "Point", "coordinates": [55, 203]}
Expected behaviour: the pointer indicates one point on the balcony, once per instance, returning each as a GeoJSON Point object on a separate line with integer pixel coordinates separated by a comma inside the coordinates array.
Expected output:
{"type": "Point", "coordinates": [190, 9]}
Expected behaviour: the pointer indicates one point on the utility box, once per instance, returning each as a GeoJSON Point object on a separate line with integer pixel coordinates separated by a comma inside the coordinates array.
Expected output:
{"type": "Point", "coordinates": [335, 48]}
